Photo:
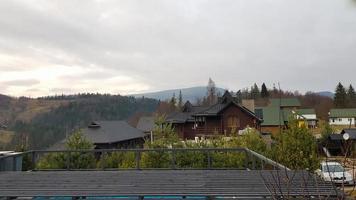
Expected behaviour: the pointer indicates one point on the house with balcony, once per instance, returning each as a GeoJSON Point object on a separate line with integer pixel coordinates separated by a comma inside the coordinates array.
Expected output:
{"type": "Point", "coordinates": [225, 117]}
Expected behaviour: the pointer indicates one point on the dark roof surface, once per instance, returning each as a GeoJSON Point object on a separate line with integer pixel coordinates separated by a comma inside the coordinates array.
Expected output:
{"type": "Point", "coordinates": [351, 132]}
{"type": "Point", "coordinates": [228, 183]}
{"type": "Point", "coordinates": [187, 116]}
{"type": "Point", "coordinates": [189, 111]}
{"type": "Point", "coordinates": [106, 132]}
{"type": "Point", "coordinates": [146, 124]}
{"type": "Point", "coordinates": [111, 132]}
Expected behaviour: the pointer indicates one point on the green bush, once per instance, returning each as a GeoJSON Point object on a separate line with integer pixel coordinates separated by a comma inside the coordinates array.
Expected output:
{"type": "Point", "coordinates": [296, 148]}
{"type": "Point", "coordinates": [73, 160]}
{"type": "Point", "coordinates": [117, 160]}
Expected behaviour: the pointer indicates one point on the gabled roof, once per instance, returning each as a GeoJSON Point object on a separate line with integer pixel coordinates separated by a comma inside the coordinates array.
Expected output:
{"type": "Point", "coordinates": [146, 124]}
{"type": "Point", "coordinates": [189, 111]}
{"type": "Point", "coordinates": [185, 116]}
{"type": "Point", "coordinates": [270, 116]}
{"type": "Point", "coordinates": [274, 116]}
{"type": "Point", "coordinates": [306, 111]}
{"type": "Point", "coordinates": [343, 112]}
{"type": "Point", "coordinates": [285, 102]}
{"type": "Point", "coordinates": [111, 132]}
{"type": "Point", "coordinates": [219, 107]}
{"type": "Point", "coordinates": [105, 132]}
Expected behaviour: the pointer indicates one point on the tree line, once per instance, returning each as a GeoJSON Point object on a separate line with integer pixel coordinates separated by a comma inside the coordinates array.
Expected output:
{"type": "Point", "coordinates": [48, 128]}
{"type": "Point", "coordinates": [344, 98]}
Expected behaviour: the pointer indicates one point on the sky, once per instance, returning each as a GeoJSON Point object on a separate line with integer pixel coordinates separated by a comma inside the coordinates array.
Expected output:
{"type": "Point", "coordinates": [131, 46]}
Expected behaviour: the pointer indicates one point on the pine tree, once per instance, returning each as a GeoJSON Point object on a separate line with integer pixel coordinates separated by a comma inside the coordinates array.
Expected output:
{"type": "Point", "coordinates": [351, 97]}
{"type": "Point", "coordinates": [180, 99]}
{"type": "Point", "coordinates": [211, 92]}
{"type": "Point", "coordinates": [173, 102]}
{"type": "Point", "coordinates": [255, 92]}
{"type": "Point", "coordinates": [264, 91]}
{"type": "Point", "coordinates": [340, 98]}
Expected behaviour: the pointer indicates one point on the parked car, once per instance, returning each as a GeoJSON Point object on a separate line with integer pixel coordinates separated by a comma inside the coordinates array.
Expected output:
{"type": "Point", "coordinates": [335, 172]}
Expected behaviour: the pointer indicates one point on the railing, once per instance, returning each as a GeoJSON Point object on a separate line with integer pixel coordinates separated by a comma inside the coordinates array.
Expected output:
{"type": "Point", "coordinates": [174, 158]}
{"type": "Point", "coordinates": [201, 130]}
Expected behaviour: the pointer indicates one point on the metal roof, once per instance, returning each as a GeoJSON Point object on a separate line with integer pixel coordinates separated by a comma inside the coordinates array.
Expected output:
{"type": "Point", "coordinates": [111, 132]}
{"type": "Point", "coordinates": [343, 112]}
{"type": "Point", "coordinates": [206, 183]}
{"type": "Point", "coordinates": [285, 102]}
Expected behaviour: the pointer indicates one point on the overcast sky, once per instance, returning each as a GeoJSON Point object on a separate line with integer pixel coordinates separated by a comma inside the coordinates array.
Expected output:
{"type": "Point", "coordinates": [128, 46]}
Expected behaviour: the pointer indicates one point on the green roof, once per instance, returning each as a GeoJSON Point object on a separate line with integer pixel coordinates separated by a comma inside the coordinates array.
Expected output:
{"type": "Point", "coordinates": [306, 111]}
{"type": "Point", "coordinates": [285, 102]}
{"type": "Point", "coordinates": [271, 116]}
{"type": "Point", "coordinates": [343, 112]}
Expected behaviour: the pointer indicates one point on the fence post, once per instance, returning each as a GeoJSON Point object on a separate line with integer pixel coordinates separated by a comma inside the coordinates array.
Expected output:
{"type": "Point", "coordinates": [173, 159]}
{"type": "Point", "coordinates": [137, 153]}
{"type": "Point", "coordinates": [68, 160]}
{"type": "Point", "coordinates": [14, 163]}
{"type": "Point", "coordinates": [104, 159]}
{"type": "Point", "coordinates": [33, 157]}
{"type": "Point", "coordinates": [247, 158]}
{"type": "Point", "coordinates": [209, 159]}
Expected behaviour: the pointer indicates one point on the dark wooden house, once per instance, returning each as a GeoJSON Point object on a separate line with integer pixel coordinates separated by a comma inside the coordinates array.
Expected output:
{"type": "Point", "coordinates": [225, 117]}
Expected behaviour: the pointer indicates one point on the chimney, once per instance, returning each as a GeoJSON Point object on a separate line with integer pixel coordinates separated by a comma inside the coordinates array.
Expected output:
{"type": "Point", "coordinates": [94, 125]}
{"type": "Point", "coordinates": [249, 104]}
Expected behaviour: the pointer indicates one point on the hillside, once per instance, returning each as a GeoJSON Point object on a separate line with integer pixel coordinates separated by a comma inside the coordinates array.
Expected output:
{"type": "Point", "coordinates": [191, 94]}
{"type": "Point", "coordinates": [42, 122]}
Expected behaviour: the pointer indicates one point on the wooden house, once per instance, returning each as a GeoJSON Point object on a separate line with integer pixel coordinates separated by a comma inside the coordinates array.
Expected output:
{"type": "Point", "coordinates": [225, 117]}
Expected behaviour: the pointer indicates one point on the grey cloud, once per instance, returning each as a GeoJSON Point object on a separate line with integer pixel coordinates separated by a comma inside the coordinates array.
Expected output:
{"type": "Point", "coordinates": [22, 82]}
{"type": "Point", "coordinates": [170, 44]}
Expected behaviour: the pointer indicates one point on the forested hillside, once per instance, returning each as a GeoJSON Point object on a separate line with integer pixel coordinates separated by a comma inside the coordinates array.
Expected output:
{"type": "Point", "coordinates": [63, 114]}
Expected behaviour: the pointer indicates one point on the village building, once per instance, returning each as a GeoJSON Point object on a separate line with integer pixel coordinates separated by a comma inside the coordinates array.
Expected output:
{"type": "Point", "coordinates": [343, 117]}
{"type": "Point", "coordinates": [110, 135]}
{"type": "Point", "coordinates": [225, 117]}
{"type": "Point", "coordinates": [277, 114]}
{"type": "Point", "coordinates": [337, 144]}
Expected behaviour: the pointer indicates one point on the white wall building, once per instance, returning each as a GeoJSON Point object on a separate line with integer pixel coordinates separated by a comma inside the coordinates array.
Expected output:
{"type": "Point", "coordinates": [343, 117]}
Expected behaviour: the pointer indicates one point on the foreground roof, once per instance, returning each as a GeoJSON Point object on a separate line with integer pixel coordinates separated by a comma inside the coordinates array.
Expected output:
{"type": "Point", "coordinates": [212, 183]}
{"type": "Point", "coordinates": [111, 131]}
{"type": "Point", "coordinates": [343, 112]}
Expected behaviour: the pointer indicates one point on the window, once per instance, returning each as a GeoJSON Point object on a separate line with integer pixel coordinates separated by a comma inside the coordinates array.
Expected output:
{"type": "Point", "coordinates": [340, 119]}
{"type": "Point", "coordinates": [333, 120]}
{"type": "Point", "coordinates": [233, 122]}
{"type": "Point", "coordinates": [349, 119]}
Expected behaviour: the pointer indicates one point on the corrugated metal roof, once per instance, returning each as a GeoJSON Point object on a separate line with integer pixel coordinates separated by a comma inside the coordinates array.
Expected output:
{"type": "Point", "coordinates": [111, 132]}
{"type": "Point", "coordinates": [343, 112]}
{"type": "Point", "coordinates": [285, 102]}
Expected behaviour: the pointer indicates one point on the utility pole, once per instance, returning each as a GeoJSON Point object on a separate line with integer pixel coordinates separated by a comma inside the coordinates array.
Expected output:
{"type": "Point", "coordinates": [279, 108]}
